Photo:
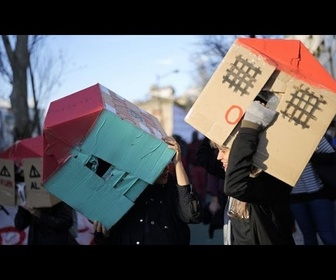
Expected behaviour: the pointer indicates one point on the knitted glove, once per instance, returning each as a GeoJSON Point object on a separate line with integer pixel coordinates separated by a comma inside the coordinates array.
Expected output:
{"type": "Point", "coordinates": [259, 114]}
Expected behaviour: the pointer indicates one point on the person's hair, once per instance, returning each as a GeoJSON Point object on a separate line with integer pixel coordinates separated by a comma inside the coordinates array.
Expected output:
{"type": "Point", "coordinates": [238, 209]}
{"type": "Point", "coordinates": [217, 146]}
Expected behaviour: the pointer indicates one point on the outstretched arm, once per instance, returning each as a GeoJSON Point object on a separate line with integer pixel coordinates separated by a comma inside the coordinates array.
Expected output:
{"type": "Point", "coordinates": [180, 172]}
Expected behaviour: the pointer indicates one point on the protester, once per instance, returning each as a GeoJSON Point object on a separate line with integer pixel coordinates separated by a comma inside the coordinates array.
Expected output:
{"type": "Point", "coordinates": [257, 211]}
{"type": "Point", "coordinates": [47, 225]}
{"type": "Point", "coordinates": [198, 174]}
{"type": "Point", "coordinates": [161, 214]}
{"type": "Point", "coordinates": [312, 204]}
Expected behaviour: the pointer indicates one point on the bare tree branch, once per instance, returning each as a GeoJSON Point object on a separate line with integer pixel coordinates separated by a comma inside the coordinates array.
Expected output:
{"type": "Point", "coordinates": [18, 55]}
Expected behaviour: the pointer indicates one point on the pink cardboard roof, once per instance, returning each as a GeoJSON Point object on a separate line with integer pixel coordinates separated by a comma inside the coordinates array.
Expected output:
{"type": "Point", "coordinates": [291, 56]}
{"type": "Point", "coordinates": [25, 148]}
{"type": "Point", "coordinates": [71, 118]}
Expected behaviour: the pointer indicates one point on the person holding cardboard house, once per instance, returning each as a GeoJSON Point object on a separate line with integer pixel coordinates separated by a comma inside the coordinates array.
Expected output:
{"type": "Point", "coordinates": [258, 209]}
{"type": "Point", "coordinates": [161, 214]}
{"type": "Point", "coordinates": [47, 225]}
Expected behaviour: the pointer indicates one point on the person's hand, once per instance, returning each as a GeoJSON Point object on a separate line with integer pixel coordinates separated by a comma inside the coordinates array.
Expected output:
{"type": "Point", "coordinates": [99, 227]}
{"type": "Point", "coordinates": [258, 113]}
{"type": "Point", "coordinates": [172, 143]}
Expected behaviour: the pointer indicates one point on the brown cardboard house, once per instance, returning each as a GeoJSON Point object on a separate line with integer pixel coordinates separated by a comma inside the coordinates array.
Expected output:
{"type": "Point", "coordinates": [290, 80]}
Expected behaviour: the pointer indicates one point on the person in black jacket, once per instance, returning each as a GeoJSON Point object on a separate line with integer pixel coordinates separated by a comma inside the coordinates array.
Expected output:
{"type": "Point", "coordinates": [47, 225]}
{"type": "Point", "coordinates": [258, 210]}
{"type": "Point", "coordinates": [161, 213]}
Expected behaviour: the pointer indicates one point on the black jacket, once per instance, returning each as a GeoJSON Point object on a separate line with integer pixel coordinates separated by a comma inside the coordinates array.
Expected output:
{"type": "Point", "coordinates": [51, 228]}
{"type": "Point", "coordinates": [159, 216]}
{"type": "Point", "coordinates": [270, 221]}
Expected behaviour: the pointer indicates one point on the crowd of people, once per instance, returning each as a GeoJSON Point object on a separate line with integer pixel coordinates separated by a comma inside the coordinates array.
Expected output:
{"type": "Point", "coordinates": [212, 184]}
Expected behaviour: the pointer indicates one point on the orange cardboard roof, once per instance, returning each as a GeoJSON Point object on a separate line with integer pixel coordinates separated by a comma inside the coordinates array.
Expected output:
{"type": "Point", "coordinates": [291, 56]}
{"type": "Point", "coordinates": [25, 148]}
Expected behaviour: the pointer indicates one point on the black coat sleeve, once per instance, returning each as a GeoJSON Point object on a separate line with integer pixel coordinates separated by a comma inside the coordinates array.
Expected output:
{"type": "Point", "coordinates": [189, 206]}
{"type": "Point", "coordinates": [23, 218]}
{"type": "Point", "coordinates": [263, 188]}
{"type": "Point", "coordinates": [60, 216]}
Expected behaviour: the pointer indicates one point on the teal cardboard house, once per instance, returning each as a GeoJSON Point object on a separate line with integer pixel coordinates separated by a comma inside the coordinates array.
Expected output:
{"type": "Point", "coordinates": [100, 152]}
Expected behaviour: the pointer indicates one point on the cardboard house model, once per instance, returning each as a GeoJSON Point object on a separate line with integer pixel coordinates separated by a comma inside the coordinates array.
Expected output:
{"type": "Point", "coordinates": [100, 152]}
{"type": "Point", "coordinates": [290, 80]}
{"type": "Point", "coordinates": [27, 155]}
